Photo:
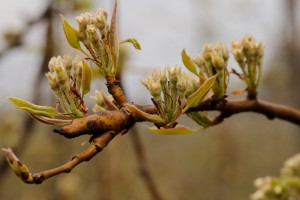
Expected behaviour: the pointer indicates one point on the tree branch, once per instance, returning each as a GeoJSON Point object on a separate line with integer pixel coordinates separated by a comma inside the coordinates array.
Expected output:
{"type": "Point", "coordinates": [143, 165]}
{"type": "Point", "coordinates": [104, 125]}
{"type": "Point", "coordinates": [270, 110]}
{"type": "Point", "coordinates": [99, 143]}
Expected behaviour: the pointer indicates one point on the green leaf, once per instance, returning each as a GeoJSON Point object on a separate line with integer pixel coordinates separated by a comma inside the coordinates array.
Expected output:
{"type": "Point", "coordinates": [143, 115]}
{"type": "Point", "coordinates": [70, 34]}
{"type": "Point", "coordinates": [196, 98]}
{"type": "Point", "coordinates": [178, 130]}
{"type": "Point", "coordinates": [86, 78]}
{"type": "Point", "coordinates": [188, 62]}
{"type": "Point", "coordinates": [134, 42]}
{"type": "Point", "coordinates": [201, 119]}
{"type": "Point", "coordinates": [45, 111]}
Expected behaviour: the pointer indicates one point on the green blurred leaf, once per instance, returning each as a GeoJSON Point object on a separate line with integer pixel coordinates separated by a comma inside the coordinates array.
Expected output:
{"type": "Point", "coordinates": [70, 34]}
{"type": "Point", "coordinates": [188, 62]}
{"type": "Point", "coordinates": [178, 130]}
{"type": "Point", "coordinates": [196, 98]}
{"type": "Point", "coordinates": [86, 78]}
{"type": "Point", "coordinates": [134, 42]}
{"type": "Point", "coordinates": [201, 119]}
{"type": "Point", "coordinates": [45, 111]}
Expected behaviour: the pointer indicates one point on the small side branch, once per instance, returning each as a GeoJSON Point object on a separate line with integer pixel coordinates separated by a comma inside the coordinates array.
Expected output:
{"type": "Point", "coordinates": [143, 165]}
{"type": "Point", "coordinates": [232, 107]}
{"type": "Point", "coordinates": [99, 143]}
{"type": "Point", "coordinates": [115, 90]}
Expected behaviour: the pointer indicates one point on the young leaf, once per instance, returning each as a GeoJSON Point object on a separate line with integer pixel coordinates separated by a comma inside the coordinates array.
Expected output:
{"type": "Point", "coordinates": [134, 42]}
{"type": "Point", "coordinates": [86, 77]}
{"type": "Point", "coordinates": [196, 98]}
{"type": "Point", "coordinates": [201, 119]}
{"type": "Point", "coordinates": [188, 62]}
{"type": "Point", "coordinates": [70, 34]}
{"type": "Point", "coordinates": [45, 111]}
{"type": "Point", "coordinates": [178, 130]}
{"type": "Point", "coordinates": [113, 38]}
{"type": "Point", "coordinates": [148, 117]}
{"type": "Point", "coordinates": [51, 121]}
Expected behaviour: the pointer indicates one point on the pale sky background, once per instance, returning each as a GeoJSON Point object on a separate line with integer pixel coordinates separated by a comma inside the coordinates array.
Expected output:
{"type": "Point", "coordinates": [163, 29]}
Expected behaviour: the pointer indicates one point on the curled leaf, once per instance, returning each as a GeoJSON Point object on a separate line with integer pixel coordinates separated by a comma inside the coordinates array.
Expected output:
{"type": "Point", "coordinates": [134, 42]}
{"type": "Point", "coordinates": [188, 62]}
{"type": "Point", "coordinates": [148, 117]}
{"type": "Point", "coordinates": [70, 34]}
{"type": "Point", "coordinates": [86, 78]}
{"type": "Point", "coordinates": [51, 121]}
{"type": "Point", "coordinates": [178, 130]}
{"type": "Point", "coordinates": [18, 167]}
{"type": "Point", "coordinates": [196, 98]}
{"type": "Point", "coordinates": [45, 111]}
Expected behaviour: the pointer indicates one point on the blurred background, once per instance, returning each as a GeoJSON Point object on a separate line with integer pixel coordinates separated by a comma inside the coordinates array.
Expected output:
{"type": "Point", "coordinates": [218, 163]}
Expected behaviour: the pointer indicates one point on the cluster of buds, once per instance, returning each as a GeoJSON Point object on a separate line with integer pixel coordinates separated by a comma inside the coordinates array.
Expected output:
{"type": "Point", "coordinates": [249, 55]}
{"type": "Point", "coordinates": [287, 186]}
{"type": "Point", "coordinates": [70, 81]}
{"type": "Point", "coordinates": [213, 61]}
{"type": "Point", "coordinates": [291, 167]}
{"type": "Point", "coordinates": [168, 93]}
{"type": "Point", "coordinates": [270, 188]}
{"type": "Point", "coordinates": [99, 37]}
{"type": "Point", "coordinates": [102, 102]}
{"type": "Point", "coordinates": [173, 95]}
{"type": "Point", "coordinates": [100, 40]}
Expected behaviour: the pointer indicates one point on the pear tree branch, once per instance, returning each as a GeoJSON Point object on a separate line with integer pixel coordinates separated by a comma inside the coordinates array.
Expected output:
{"type": "Point", "coordinates": [98, 144]}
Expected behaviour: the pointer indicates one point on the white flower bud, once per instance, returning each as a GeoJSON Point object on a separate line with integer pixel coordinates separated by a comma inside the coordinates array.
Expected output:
{"type": "Point", "coordinates": [68, 63]}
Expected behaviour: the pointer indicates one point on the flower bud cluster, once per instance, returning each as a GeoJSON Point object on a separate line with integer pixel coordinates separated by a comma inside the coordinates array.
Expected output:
{"type": "Point", "coordinates": [287, 186]}
{"type": "Point", "coordinates": [270, 188]}
{"type": "Point", "coordinates": [65, 80]}
{"type": "Point", "coordinates": [169, 91]}
{"type": "Point", "coordinates": [94, 32]}
{"type": "Point", "coordinates": [249, 55]}
{"type": "Point", "coordinates": [213, 60]}
{"type": "Point", "coordinates": [291, 167]}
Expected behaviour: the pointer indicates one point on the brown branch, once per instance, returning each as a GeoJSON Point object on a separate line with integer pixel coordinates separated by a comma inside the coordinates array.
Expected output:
{"type": "Point", "coordinates": [99, 143]}
{"type": "Point", "coordinates": [143, 165]}
{"type": "Point", "coordinates": [270, 110]}
{"type": "Point", "coordinates": [98, 123]}
{"type": "Point", "coordinates": [232, 107]}
{"type": "Point", "coordinates": [115, 90]}
{"type": "Point", "coordinates": [123, 120]}
{"type": "Point", "coordinates": [102, 126]}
